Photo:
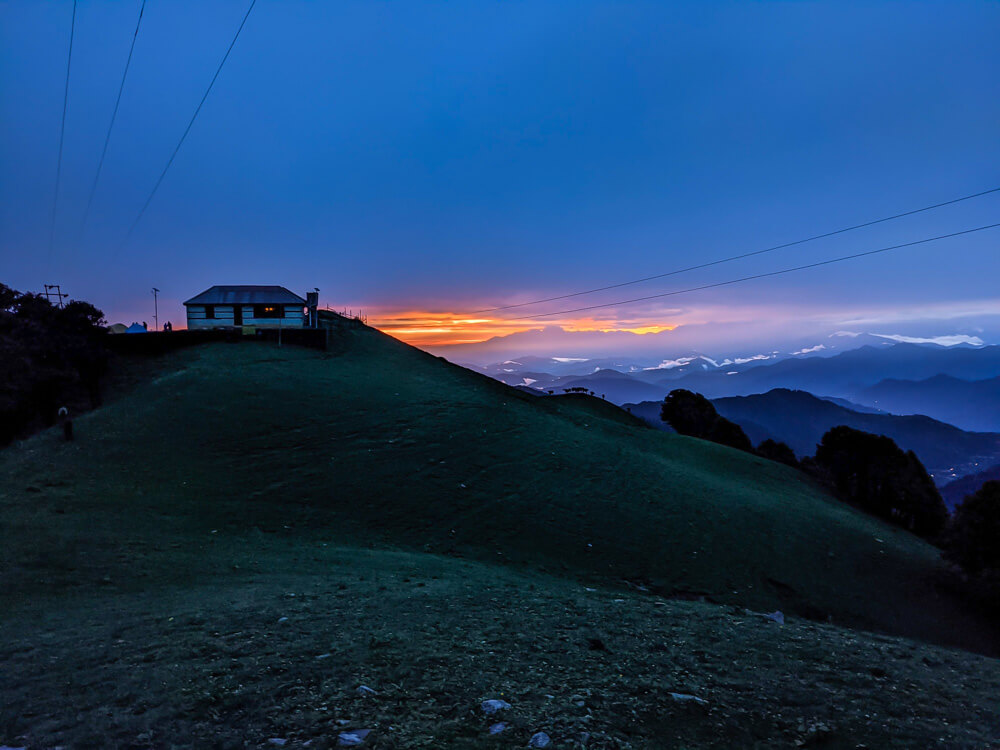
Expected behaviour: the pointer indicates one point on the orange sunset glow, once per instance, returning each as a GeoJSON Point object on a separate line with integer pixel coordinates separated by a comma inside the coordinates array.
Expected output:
{"type": "Point", "coordinates": [424, 328]}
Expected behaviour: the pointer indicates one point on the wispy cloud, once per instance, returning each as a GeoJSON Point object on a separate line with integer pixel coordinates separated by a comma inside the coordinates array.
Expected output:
{"type": "Point", "coordinates": [435, 328]}
{"type": "Point", "coordinates": [916, 314]}
{"type": "Point", "coordinates": [939, 340]}
{"type": "Point", "coordinates": [457, 325]}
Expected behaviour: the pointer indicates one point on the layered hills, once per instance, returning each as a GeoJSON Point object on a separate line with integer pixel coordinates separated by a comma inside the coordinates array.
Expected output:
{"type": "Point", "coordinates": [969, 404]}
{"type": "Point", "coordinates": [959, 385]}
{"type": "Point", "coordinates": [801, 419]}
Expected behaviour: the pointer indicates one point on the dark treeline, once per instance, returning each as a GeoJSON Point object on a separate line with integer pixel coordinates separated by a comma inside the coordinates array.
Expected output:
{"type": "Point", "coordinates": [694, 415]}
{"type": "Point", "coordinates": [970, 542]}
{"type": "Point", "coordinates": [869, 471]}
{"type": "Point", "coordinates": [875, 475]}
{"type": "Point", "coordinates": [50, 356]}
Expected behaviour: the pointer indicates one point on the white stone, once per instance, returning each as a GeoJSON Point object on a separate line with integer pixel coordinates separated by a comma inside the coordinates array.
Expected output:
{"type": "Point", "coordinates": [493, 705]}
{"type": "Point", "coordinates": [353, 738]}
{"type": "Point", "coordinates": [539, 739]}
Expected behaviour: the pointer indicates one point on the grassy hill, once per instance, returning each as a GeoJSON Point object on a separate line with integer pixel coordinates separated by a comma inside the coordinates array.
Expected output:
{"type": "Point", "coordinates": [384, 444]}
{"type": "Point", "coordinates": [150, 561]}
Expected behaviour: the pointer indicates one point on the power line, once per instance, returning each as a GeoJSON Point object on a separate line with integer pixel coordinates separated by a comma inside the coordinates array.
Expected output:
{"type": "Point", "coordinates": [177, 148]}
{"type": "Point", "coordinates": [62, 133]}
{"type": "Point", "coordinates": [760, 275]}
{"type": "Point", "coordinates": [114, 114]}
{"type": "Point", "coordinates": [743, 255]}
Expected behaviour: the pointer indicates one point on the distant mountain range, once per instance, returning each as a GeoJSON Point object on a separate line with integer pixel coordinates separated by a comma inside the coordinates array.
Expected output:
{"type": "Point", "coordinates": [847, 375]}
{"type": "Point", "coordinates": [958, 384]}
{"type": "Point", "coordinates": [971, 405]}
{"type": "Point", "coordinates": [717, 340]}
{"type": "Point", "coordinates": [801, 419]}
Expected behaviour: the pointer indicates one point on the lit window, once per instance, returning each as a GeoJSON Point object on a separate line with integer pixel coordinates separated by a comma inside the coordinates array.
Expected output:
{"type": "Point", "coordinates": [268, 311]}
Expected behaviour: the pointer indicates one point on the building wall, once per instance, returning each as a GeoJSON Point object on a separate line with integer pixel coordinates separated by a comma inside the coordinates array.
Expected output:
{"type": "Point", "coordinates": [196, 317]}
{"type": "Point", "coordinates": [294, 317]}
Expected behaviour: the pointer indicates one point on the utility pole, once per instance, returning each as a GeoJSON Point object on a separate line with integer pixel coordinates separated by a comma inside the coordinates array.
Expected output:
{"type": "Point", "coordinates": [156, 312]}
{"type": "Point", "coordinates": [58, 294]}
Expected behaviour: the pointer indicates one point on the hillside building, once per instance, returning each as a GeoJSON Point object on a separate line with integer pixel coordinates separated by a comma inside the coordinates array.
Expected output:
{"type": "Point", "coordinates": [245, 306]}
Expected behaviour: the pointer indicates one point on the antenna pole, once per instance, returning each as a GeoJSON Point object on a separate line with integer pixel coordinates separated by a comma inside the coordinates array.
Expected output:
{"type": "Point", "coordinates": [57, 293]}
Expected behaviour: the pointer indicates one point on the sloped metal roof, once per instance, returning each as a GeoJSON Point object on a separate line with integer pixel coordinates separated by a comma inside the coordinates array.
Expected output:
{"type": "Point", "coordinates": [246, 295]}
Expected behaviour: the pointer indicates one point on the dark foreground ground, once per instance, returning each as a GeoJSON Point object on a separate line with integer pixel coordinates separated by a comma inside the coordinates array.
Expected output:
{"type": "Point", "coordinates": [264, 657]}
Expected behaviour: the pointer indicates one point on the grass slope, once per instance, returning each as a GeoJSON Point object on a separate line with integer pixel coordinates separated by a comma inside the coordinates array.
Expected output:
{"type": "Point", "coordinates": [384, 445]}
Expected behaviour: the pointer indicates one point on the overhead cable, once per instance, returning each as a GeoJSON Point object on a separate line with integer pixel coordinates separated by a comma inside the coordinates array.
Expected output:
{"type": "Point", "coordinates": [742, 255]}
{"type": "Point", "coordinates": [62, 132]}
{"type": "Point", "coordinates": [187, 130]}
{"type": "Point", "coordinates": [760, 275]}
{"type": "Point", "coordinates": [114, 114]}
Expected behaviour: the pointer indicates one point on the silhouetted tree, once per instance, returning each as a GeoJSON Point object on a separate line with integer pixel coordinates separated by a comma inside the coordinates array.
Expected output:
{"type": "Point", "coordinates": [48, 354]}
{"type": "Point", "coordinates": [688, 413]}
{"type": "Point", "coordinates": [729, 433]}
{"type": "Point", "coordinates": [872, 472]}
{"type": "Point", "coordinates": [694, 415]}
{"type": "Point", "coordinates": [777, 451]}
{"type": "Point", "coordinates": [973, 538]}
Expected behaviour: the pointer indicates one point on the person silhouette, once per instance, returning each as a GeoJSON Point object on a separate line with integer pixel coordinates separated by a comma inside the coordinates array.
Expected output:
{"type": "Point", "coordinates": [66, 422]}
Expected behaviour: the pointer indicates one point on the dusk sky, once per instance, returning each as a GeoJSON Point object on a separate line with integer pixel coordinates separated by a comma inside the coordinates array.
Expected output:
{"type": "Point", "coordinates": [424, 161]}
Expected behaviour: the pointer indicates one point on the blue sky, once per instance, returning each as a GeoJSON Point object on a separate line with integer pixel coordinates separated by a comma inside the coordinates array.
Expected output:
{"type": "Point", "coordinates": [424, 160]}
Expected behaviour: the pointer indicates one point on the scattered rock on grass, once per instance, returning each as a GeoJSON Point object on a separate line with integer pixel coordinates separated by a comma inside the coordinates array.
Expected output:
{"type": "Point", "coordinates": [279, 741]}
{"type": "Point", "coordinates": [539, 739]}
{"type": "Point", "coordinates": [776, 616]}
{"type": "Point", "coordinates": [499, 727]}
{"type": "Point", "coordinates": [493, 705]}
{"type": "Point", "coordinates": [686, 698]}
{"type": "Point", "coordinates": [352, 738]}
{"type": "Point", "coordinates": [364, 691]}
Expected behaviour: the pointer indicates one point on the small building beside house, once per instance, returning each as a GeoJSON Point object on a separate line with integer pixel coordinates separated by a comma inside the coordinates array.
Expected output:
{"type": "Point", "coordinates": [239, 306]}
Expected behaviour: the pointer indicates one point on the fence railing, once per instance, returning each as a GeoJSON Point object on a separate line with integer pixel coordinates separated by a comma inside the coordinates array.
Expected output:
{"type": "Point", "coordinates": [161, 342]}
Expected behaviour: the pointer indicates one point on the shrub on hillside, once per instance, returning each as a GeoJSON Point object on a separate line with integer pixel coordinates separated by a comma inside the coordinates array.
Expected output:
{"type": "Point", "coordinates": [694, 415]}
{"type": "Point", "coordinates": [973, 538]}
{"type": "Point", "coordinates": [776, 451]}
{"type": "Point", "coordinates": [48, 355]}
{"type": "Point", "coordinates": [873, 473]}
